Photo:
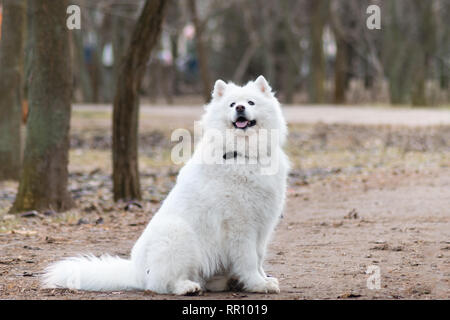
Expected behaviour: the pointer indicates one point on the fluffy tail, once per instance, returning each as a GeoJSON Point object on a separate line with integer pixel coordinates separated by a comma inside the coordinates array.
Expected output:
{"type": "Point", "coordinates": [105, 273]}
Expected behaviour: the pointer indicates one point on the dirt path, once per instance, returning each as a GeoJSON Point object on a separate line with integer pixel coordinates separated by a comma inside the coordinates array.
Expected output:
{"type": "Point", "coordinates": [307, 114]}
{"type": "Point", "coordinates": [331, 233]}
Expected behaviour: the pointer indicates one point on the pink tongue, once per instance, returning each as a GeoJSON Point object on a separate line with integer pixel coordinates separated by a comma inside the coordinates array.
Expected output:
{"type": "Point", "coordinates": [241, 124]}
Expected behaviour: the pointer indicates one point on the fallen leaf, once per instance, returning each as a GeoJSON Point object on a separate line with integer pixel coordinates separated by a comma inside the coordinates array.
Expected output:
{"type": "Point", "coordinates": [30, 214]}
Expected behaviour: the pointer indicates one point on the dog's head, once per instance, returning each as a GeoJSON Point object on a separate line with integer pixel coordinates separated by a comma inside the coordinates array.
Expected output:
{"type": "Point", "coordinates": [245, 110]}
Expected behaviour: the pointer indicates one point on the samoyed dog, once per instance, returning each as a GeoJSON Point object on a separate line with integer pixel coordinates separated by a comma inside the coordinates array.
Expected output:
{"type": "Point", "coordinates": [213, 228]}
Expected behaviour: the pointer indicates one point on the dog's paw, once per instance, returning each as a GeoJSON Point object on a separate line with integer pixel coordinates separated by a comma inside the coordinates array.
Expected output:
{"type": "Point", "coordinates": [274, 281]}
{"type": "Point", "coordinates": [272, 285]}
{"type": "Point", "coordinates": [187, 288]}
{"type": "Point", "coordinates": [268, 286]}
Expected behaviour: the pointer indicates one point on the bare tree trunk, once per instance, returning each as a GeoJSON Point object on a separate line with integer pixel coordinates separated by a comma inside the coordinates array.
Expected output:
{"type": "Point", "coordinates": [201, 51]}
{"type": "Point", "coordinates": [252, 47]}
{"type": "Point", "coordinates": [126, 101]}
{"type": "Point", "coordinates": [43, 183]}
{"type": "Point", "coordinates": [340, 71]}
{"type": "Point", "coordinates": [399, 54]}
{"type": "Point", "coordinates": [84, 79]}
{"type": "Point", "coordinates": [267, 40]}
{"type": "Point", "coordinates": [121, 29]}
{"type": "Point", "coordinates": [426, 48]}
{"type": "Point", "coordinates": [337, 18]}
{"type": "Point", "coordinates": [291, 57]}
{"type": "Point", "coordinates": [11, 74]}
{"type": "Point", "coordinates": [418, 94]}
{"type": "Point", "coordinates": [176, 76]}
{"type": "Point", "coordinates": [318, 10]}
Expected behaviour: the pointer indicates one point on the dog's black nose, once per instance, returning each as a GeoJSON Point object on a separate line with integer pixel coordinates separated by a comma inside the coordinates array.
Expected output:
{"type": "Point", "coordinates": [240, 109]}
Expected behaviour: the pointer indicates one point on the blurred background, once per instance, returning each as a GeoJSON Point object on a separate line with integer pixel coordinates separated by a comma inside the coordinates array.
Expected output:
{"type": "Point", "coordinates": [311, 51]}
{"type": "Point", "coordinates": [317, 55]}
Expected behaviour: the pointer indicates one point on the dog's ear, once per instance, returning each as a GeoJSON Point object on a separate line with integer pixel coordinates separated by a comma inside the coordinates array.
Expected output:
{"type": "Point", "coordinates": [262, 84]}
{"type": "Point", "coordinates": [219, 89]}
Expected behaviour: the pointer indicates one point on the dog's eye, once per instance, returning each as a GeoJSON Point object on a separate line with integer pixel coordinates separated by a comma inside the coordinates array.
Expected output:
{"type": "Point", "coordinates": [251, 103]}
{"type": "Point", "coordinates": [232, 105]}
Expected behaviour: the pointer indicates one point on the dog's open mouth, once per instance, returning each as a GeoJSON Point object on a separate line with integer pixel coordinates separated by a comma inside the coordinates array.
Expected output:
{"type": "Point", "coordinates": [243, 123]}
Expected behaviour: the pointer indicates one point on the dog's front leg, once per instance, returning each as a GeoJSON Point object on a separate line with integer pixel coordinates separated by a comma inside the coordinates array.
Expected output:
{"type": "Point", "coordinates": [247, 268]}
{"type": "Point", "coordinates": [261, 252]}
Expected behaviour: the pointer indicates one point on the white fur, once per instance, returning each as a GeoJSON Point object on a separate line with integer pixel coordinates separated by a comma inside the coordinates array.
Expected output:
{"type": "Point", "coordinates": [215, 223]}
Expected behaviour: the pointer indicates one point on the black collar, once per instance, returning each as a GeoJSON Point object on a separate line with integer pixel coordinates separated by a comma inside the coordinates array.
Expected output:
{"type": "Point", "coordinates": [230, 155]}
{"type": "Point", "coordinates": [233, 155]}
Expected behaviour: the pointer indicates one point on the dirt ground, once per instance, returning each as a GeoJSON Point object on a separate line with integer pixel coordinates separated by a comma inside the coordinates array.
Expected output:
{"type": "Point", "coordinates": [358, 197]}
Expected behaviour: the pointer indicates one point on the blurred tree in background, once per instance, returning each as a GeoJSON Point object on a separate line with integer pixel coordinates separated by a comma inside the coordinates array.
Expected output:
{"type": "Point", "coordinates": [43, 182]}
{"type": "Point", "coordinates": [11, 74]}
{"type": "Point", "coordinates": [126, 102]}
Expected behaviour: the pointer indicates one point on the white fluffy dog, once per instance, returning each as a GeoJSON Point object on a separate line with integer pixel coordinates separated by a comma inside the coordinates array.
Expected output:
{"type": "Point", "coordinates": [213, 228]}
